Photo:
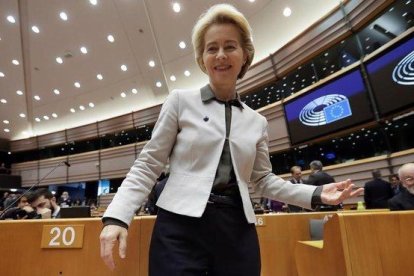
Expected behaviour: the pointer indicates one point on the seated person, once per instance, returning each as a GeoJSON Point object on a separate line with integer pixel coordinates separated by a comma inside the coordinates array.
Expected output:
{"type": "Point", "coordinates": [405, 199]}
{"type": "Point", "coordinates": [22, 211]}
{"type": "Point", "coordinates": [44, 202]}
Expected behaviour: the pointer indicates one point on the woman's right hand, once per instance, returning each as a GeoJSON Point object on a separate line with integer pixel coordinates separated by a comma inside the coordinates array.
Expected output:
{"type": "Point", "coordinates": [110, 234]}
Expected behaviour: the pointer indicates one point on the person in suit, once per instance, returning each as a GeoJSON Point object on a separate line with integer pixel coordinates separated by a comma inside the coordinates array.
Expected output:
{"type": "Point", "coordinates": [44, 202]}
{"type": "Point", "coordinates": [404, 200]}
{"type": "Point", "coordinates": [318, 178]}
{"type": "Point", "coordinates": [377, 192]}
{"type": "Point", "coordinates": [296, 172]}
{"type": "Point", "coordinates": [216, 145]}
{"type": "Point", "coordinates": [395, 182]}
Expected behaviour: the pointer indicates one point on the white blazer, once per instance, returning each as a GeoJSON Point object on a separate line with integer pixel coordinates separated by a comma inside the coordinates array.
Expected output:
{"type": "Point", "coordinates": [192, 133]}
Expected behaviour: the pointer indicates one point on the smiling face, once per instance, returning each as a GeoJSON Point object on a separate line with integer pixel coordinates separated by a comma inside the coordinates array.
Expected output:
{"type": "Point", "coordinates": [223, 56]}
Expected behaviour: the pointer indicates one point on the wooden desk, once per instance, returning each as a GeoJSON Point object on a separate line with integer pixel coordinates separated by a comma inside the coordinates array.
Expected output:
{"type": "Point", "coordinates": [367, 243]}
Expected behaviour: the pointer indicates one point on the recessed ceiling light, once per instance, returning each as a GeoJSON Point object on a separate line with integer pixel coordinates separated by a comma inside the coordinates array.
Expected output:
{"type": "Point", "coordinates": [59, 60]}
{"type": "Point", "coordinates": [6, 130]}
{"type": "Point", "coordinates": [77, 84]}
{"type": "Point", "coordinates": [22, 115]}
{"type": "Point", "coordinates": [2, 75]}
{"type": "Point", "coordinates": [3, 101]}
{"type": "Point", "coordinates": [36, 97]}
{"type": "Point", "coordinates": [56, 91]}
{"type": "Point", "coordinates": [35, 29]}
{"type": "Point", "coordinates": [123, 94]}
{"type": "Point", "coordinates": [63, 16]}
{"type": "Point", "coordinates": [151, 63]}
{"type": "Point", "coordinates": [37, 119]}
{"type": "Point", "coordinates": [91, 104]}
{"type": "Point", "coordinates": [158, 84]}
{"type": "Point", "coordinates": [187, 73]}
{"type": "Point", "coordinates": [83, 50]}
{"type": "Point", "coordinates": [182, 45]}
{"type": "Point", "coordinates": [46, 117]}
{"type": "Point", "coordinates": [54, 115]}
{"type": "Point", "coordinates": [93, 2]}
{"type": "Point", "coordinates": [287, 12]}
{"type": "Point", "coordinates": [11, 19]}
{"type": "Point", "coordinates": [173, 78]}
{"type": "Point", "coordinates": [72, 110]}
{"type": "Point", "coordinates": [251, 1]}
{"type": "Point", "coordinates": [81, 107]}
{"type": "Point", "coordinates": [110, 38]}
{"type": "Point", "coordinates": [99, 77]}
{"type": "Point", "coordinates": [134, 91]}
{"type": "Point", "coordinates": [176, 7]}
{"type": "Point", "coordinates": [124, 67]}
{"type": "Point", "coordinates": [19, 92]}
{"type": "Point", "coordinates": [15, 62]}
{"type": "Point", "coordinates": [6, 122]}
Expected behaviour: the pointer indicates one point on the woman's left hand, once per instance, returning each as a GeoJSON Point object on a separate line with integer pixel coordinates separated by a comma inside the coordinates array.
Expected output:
{"type": "Point", "coordinates": [335, 193]}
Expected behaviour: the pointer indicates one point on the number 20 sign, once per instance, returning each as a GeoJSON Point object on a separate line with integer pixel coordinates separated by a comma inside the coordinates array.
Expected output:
{"type": "Point", "coordinates": [62, 236]}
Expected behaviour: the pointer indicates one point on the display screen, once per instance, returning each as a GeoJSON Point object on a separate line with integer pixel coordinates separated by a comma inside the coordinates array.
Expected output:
{"type": "Point", "coordinates": [338, 104]}
{"type": "Point", "coordinates": [391, 75]}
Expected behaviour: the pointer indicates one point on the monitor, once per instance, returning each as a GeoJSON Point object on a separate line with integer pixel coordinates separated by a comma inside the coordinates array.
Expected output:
{"type": "Point", "coordinates": [391, 75]}
{"type": "Point", "coordinates": [337, 104]}
{"type": "Point", "coordinates": [75, 212]}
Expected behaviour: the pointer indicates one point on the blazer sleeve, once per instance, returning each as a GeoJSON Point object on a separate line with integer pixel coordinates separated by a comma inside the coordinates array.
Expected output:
{"type": "Point", "coordinates": [149, 164]}
{"type": "Point", "coordinates": [272, 186]}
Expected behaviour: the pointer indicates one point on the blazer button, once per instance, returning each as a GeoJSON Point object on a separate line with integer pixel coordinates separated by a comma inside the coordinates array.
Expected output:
{"type": "Point", "coordinates": [205, 119]}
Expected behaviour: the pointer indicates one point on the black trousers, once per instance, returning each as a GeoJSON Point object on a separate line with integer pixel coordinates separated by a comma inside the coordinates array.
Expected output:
{"type": "Point", "coordinates": [220, 243]}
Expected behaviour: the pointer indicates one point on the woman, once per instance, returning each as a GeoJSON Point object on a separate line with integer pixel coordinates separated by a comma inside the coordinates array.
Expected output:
{"type": "Point", "coordinates": [216, 145]}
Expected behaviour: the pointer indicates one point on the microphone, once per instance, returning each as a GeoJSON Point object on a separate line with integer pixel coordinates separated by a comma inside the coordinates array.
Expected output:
{"type": "Point", "coordinates": [34, 185]}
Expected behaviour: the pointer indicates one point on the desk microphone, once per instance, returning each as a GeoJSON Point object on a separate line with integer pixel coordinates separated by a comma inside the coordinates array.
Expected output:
{"type": "Point", "coordinates": [34, 185]}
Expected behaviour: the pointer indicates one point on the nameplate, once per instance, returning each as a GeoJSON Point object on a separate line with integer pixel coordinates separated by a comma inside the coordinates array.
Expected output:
{"type": "Point", "coordinates": [260, 221]}
{"type": "Point", "coordinates": [62, 236]}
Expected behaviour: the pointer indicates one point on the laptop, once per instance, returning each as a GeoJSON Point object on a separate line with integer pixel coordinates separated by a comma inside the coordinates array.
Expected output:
{"type": "Point", "coordinates": [75, 212]}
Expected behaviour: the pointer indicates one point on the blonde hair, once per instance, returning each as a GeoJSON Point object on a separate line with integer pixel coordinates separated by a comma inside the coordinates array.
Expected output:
{"type": "Point", "coordinates": [223, 14]}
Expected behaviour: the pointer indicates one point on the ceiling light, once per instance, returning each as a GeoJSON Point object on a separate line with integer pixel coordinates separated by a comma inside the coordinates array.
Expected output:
{"type": "Point", "coordinates": [176, 7]}
{"type": "Point", "coordinates": [187, 73]}
{"type": "Point", "coordinates": [251, 1]}
{"type": "Point", "coordinates": [63, 16]}
{"type": "Point", "coordinates": [287, 12]}
{"type": "Point", "coordinates": [35, 29]}
{"type": "Point", "coordinates": [99, 77]}
{"type": "Point", "coordinates": [182, 45]}
{"type": "Point", "coordinates": [124, 67]}
{"type": "Point", "coordinates": [11, 19]}
{"type": "Point", "coordinates": [72, 110]}
{"type": "Point", "coordinates": [2, 75]}
{"type": "Point", "coordinates": [134, 91]}
{"type": "Point", "coordinates": [91, 105]}
{"type": "Point", "coordinates": [84, 50]}
{"type": "Point", "coordinates": [3, 101]}
{"type": "Point", "coordinates": [54, 115]}
{"type": "Point", "coordinates": [46, 117]}
{"type": "Point", "coordinates": [110, 38]}
{"type": "Point", "coordinates": [37, 119]}
{"type": "Point", "coordinates": [93, 2]}
{"type": "Point", "coordinates": [56, 91]}
{"type": "Point", "coordinates": [36, 97]}
{"type": "Point", "coordinates": [22, 115]}
{"type": "Point", "coordinates": [77, 84]}
{"type": "Point", "coordinates": [59, 60]}
{"type": "Point", "coordinates": [123, 95]}
{"type": "Point", "coordinates": [81, 107]}
{"type": "Point", "coordinates": [151, 63]}
{"type": "Point", "coordinates": [6, 122]}
{"type": "Point", "coordinates": [6, 130]}
{"type": "Point", "coordinates": [15, 62]}
{"type": "Point", "coordinates": [158, 84]}
{"type": "Point", "coordinates": [19, 92]}
{"type": "Point", "coordinates": [173, 78]}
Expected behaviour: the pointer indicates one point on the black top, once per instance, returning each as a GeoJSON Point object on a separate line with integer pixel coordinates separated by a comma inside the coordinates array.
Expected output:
{"type": "Point", "coordinates": [402, 201]}
{"type": "Point", "coordinates": [377, 193]}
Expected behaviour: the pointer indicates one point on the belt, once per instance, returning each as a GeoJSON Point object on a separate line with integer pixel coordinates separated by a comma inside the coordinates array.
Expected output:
{"type": "Point", "coordinates": [234, 201]}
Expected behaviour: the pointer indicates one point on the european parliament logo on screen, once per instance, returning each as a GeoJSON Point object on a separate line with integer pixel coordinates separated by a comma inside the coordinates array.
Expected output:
{"type": "Point", "coordinates": [325, 110]}
{"type": "Point", "coordinates": [404, 71]}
